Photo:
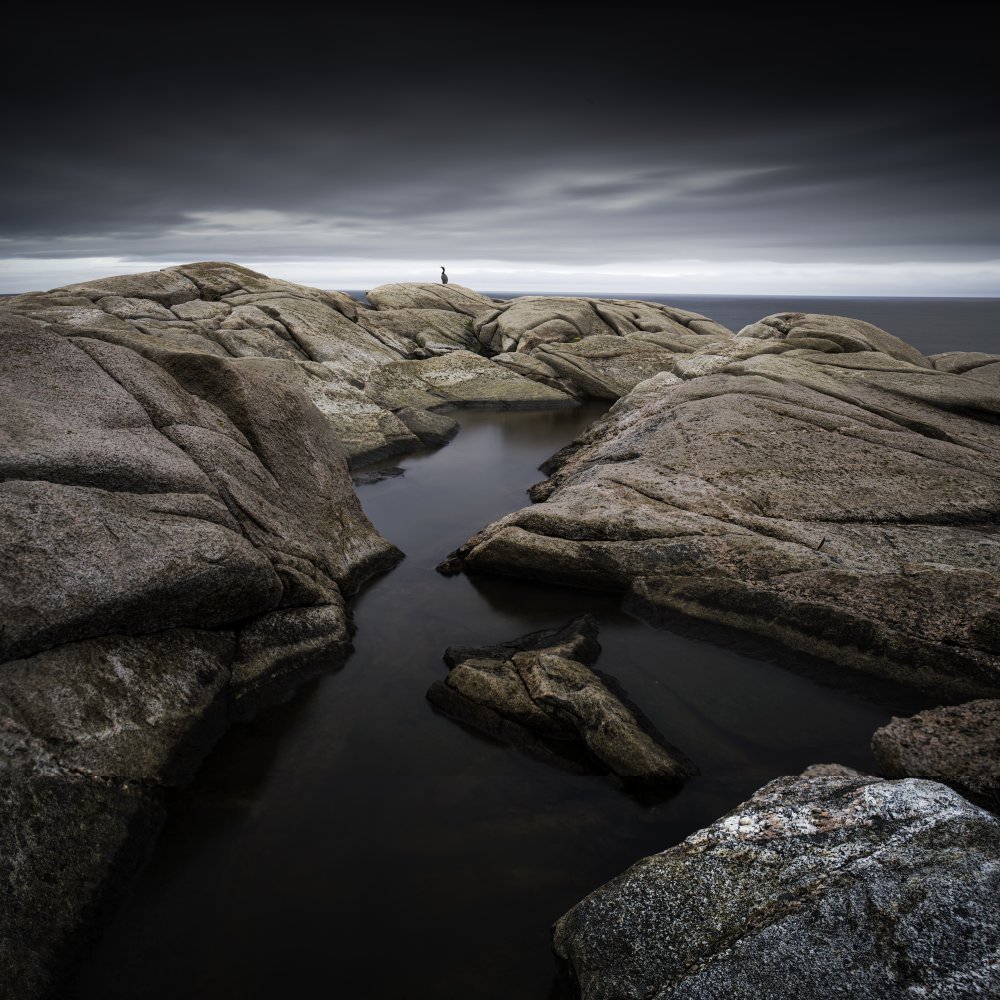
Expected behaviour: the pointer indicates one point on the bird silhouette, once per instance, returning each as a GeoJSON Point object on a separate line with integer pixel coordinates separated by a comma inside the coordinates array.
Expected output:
{"type": "Point", "coordinates": [444, 277]}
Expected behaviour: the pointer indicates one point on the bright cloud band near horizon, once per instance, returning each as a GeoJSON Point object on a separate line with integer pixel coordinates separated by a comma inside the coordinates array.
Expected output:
{"type": "Point", "coordinates": [679, 277]}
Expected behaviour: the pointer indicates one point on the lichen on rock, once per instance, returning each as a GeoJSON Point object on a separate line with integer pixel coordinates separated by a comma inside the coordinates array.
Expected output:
{"type": "Point", "coordinates": [835, 881]}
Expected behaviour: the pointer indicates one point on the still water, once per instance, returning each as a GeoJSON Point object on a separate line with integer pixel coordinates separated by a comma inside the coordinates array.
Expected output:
{"type": "Point", "coordinates": [354, 843]}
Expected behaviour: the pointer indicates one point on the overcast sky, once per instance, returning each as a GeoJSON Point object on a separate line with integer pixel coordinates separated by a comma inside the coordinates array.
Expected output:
{"type": "Point", "coordinates": [606, 155]}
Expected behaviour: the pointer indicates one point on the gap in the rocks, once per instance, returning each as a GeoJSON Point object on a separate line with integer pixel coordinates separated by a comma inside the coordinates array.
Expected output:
{"type": "Point", "coordinates": [354, 842]}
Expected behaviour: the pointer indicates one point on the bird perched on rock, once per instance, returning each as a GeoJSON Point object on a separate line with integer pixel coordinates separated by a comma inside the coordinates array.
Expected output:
{"type": "Point", "coordinates": [444, 277]}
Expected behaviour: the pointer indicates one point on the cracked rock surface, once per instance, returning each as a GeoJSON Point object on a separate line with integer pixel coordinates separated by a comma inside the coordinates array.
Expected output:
{"type": "Point", "coordinates": [540, 694]}
{"type": "Point", "coordinates": [830, 883]}
{"type": "Point", "coordinates": [812, 480]}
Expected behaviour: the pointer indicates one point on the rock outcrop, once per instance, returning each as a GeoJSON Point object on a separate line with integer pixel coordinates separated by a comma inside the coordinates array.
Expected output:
{"type": "Point", "coordinates": [179, 533]}
{"type": "Point", "coordinates": [958, 745]}
{"type": "Point", "coordinates": [601, 348]}
{"type": "Point", "coordinates": [832, 883]}
{"type": "Point", "coordinates": [326, 344]}
{"type": "Point", "coordinates": [812, 480]}
{"type": "Point", "coordinates": [539, 694]}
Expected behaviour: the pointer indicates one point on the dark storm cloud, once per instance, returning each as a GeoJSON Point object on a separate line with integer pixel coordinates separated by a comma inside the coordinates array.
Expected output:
{"type": "Point", "coordinates": [588, 142]}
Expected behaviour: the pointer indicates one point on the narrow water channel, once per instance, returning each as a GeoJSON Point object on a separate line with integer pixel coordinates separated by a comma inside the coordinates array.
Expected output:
{"type": "Point", "coordinates": [354, 843]}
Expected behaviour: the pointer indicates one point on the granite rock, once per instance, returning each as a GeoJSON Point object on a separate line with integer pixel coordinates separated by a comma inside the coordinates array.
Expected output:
{"type": "Point", "coordinates": [540, 694]}
{"type": "Point", "coordinates": [841, 503]}
{"type": "Point", "coordinates": [958, 745]}
{"type": "Point", "coordinates": [832, 884]}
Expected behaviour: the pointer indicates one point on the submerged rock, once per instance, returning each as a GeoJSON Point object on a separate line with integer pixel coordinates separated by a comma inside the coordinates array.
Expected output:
{"type": "Point", "coordinates": [959, 745]}
{"type": "Point", "coordinates": [539, 693]}
{"type": "Point", "coordinates": [841, 502]}
{"type": "Point", "coordinates": [834, 883]}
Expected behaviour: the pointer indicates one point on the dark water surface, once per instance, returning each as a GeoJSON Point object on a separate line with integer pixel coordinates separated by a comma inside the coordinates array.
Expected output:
{"type": "Point", "coordinates": [353, 843]}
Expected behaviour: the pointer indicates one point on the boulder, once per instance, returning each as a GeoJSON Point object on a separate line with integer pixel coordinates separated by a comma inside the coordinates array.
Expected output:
{"type": "Point", "coordinates": [974, 364]}
{"type": "Point", "coordinates": [826, 884]}
{"type": "Point", "coordinates": [845, 334]}
{"type": "Point", "coordinates": [426, 295]}
{"type": "Point", "coordinates": [433, 429]}
{"type": "Point", "coordinates": [539, 694]}
{"type": "Point", "coordinates": [958, 745]}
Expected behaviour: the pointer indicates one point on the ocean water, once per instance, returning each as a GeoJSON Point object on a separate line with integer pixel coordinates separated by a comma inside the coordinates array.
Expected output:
{"type": "Point", "coordinates": [354, 842]}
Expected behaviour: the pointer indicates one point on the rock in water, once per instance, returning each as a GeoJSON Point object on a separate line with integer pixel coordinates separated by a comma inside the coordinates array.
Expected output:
{"type": "Point", "coordinates": [539, 693]}
{"type": "Point", "coordinates": [835, 885]}
{"type": "Point", "coordinates": [817, 482]}
{"type": "Point", "coordinates": [959, 745]}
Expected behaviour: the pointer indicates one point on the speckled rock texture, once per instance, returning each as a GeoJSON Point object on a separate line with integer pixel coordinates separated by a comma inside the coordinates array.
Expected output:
{"type": "Point", "coordinates": [824, 885]}
{"type": "Point", "coordinates": [812, 480]}
{"type": "Point", "coordinates": [958, 745]}
{"type": "Point", "coordinates": [540, 694]}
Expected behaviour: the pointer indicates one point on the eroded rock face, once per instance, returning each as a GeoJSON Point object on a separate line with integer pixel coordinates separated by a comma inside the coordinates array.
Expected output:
{"type": "Point", "coordinates": [523, 324]}
{"type": "Point", "coordinates": [883, 888]}
{"type": "Point", "coordinates": [599, 348]}
{"type": "Point", "coordinates": [179, 529]}
{"type": "Point", "coordinates": [459, 378]}
{"type": "Point", "coordinates": [974, 364]}
{"type": "Point", "coordinates": [539, 693]}
{"type": "Point", "coordinates": [958, 745]}
{"type": "Point", "coordinates": [323, 343]}
{"type": "Point", "coordinates": [844, 504]}
{"type": "Point", "coordinates": [837, 333]}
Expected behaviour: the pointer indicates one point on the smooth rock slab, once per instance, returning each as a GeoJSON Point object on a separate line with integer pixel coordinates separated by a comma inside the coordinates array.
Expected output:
{"type": "Point", "coordinates": [425, 295]}
{"type": "Point", "coordinates": [539, 693]}
{"type": "Point", "coordinates": [459, 378]}
{"type": "Point", "coordinates": [816, 887]}
{"type": "Point", "coordinates": [958, 745]}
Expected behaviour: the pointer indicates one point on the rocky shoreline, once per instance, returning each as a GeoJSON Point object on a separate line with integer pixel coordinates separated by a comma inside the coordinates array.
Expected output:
{"type": "Point", "coordinates": [181, 532]}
